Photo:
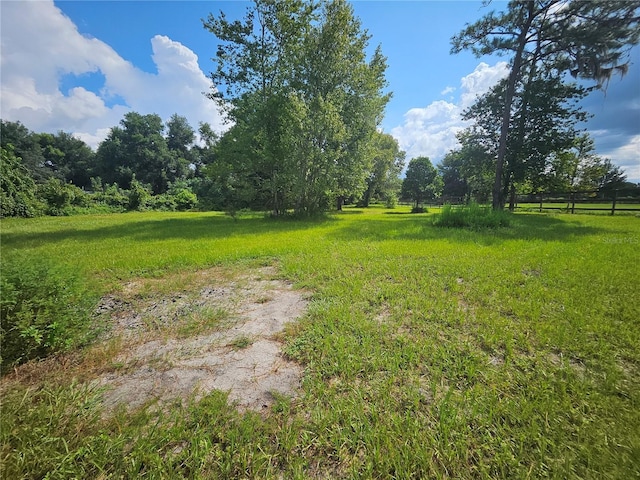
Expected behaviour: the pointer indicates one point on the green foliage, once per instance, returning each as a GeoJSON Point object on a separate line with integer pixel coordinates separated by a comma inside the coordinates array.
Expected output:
{"type": "Point", "coordinates": [590, 40]}
{"type": "Point", "coordinates": [111, 196]}
{"type": "Point", "coordinates": [26, 146]}
{"type": "Point", "coordinates": [383, 182]}
{"type": "Point", "coordinates": [306, 106]}
{"type": "Point", "coordinates": [185, 199]}
{"type": "Point", "coordinates": [70, 158]}
{"type": "Point", "coordinates": [17, 188]}
{"type": "Point", "coordinates": [60, 197]}
{"type": "Point", "coordinates": [44, 308]}
{"type": "Point", "coordinates": [139, 196]}
{"type": "Point", "coordinates": [138, 149]}
{"type": "Point", "coordinates": [421, 181]}
{"type": "Point", "coordinates": [472, 216]}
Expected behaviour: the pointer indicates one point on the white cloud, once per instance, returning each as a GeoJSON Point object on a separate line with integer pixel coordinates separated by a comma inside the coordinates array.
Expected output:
{"type": "Point", "coordinates": [627, 156]}
{"type": "Point", "coordinates": [40, 45]}
{"type": "Point", "coordinates": [431, 131]}
{"type": "Point", "coordinates": [448, 90]}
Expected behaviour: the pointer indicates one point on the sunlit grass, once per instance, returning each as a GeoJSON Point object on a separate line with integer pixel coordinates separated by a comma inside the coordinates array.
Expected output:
{"type": "Point", "coordinates": [428, 352]}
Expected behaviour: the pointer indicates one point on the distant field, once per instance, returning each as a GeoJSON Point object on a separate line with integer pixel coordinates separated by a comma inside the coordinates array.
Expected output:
{"type": "Point", "coordinates": [426, 352]}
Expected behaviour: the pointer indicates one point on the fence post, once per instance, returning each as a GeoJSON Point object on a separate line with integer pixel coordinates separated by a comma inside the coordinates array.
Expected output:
{"type": "Point", "coordinates": [573, 202]}
{"type": "Point", "coordinates": [613, 205]}
{"type": "Point", "coordinates": [541, 203]}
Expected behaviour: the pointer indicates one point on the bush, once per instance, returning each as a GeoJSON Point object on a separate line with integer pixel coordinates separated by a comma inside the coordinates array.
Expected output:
{"type": "Point", "coordinates": [44, 308]}
{"type": "Point", "coordinates": [60, 197]}
{"type": "Point", "coordinates": [163, 202]}
{"type": "Point", "coordinates": [17, 188]}
{"type": "Point", "coordinates": [139, 196]}
{"type": "Point", "coordinates": [185, 199]}
{"type": "Point", "coordinates": [471, 216]}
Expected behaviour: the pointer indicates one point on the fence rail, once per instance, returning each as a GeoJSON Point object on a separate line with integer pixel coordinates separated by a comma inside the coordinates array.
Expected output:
{"type": "Point", "coordinates": [613, 201]}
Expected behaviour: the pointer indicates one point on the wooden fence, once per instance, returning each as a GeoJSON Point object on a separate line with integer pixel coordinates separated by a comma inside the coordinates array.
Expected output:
{"type": "Point", "coordinates": [609, 201]}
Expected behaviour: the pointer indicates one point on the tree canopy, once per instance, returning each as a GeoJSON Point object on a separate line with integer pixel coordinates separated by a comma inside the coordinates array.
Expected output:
{"type": "Point", "coordinates": [589, 40]}
{"type": "Point", "coordinates": [305, 100]}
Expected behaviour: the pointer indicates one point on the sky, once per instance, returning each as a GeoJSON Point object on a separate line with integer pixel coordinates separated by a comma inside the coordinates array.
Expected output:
{"type": "Point", "coordinates": [79, 66]}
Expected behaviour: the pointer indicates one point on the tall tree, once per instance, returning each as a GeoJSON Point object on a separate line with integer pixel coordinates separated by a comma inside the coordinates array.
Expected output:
{"type": "Point", "coordinates": [578, 168]}
{"type": "Point", "coordinates": [421, 181]}
{"type": "Point", "coordinates": [253, 71]}
{"type": "Point", "coordinates": [588, 39]}
{"type": "Point", "coordinates": [304, 98]}
{"type": "Point", "coordinates": [26, 147]}
{"type": "Point", "coordinates": [383, 181]}
{"type": "Point", "coordinates": [454, 182]}
{"type": "Point", "coordinates": [544, 116]}
{"type": "Point", "coordinates": [137, 149]}
{"type": "Point", "coordinates": [70, 158]}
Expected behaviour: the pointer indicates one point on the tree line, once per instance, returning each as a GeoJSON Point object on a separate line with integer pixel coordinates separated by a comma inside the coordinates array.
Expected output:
{"type": "Point", "coordinates": [144, 164]}
{"type": "Point", "coordinates": [305, 101]}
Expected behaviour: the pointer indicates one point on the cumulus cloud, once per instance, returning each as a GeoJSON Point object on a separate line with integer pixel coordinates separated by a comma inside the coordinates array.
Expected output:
{"type": "Point", "coordinates": [431, 131]}
{"type": "Point", "coordinates": [615, 126]}
{"type": "Point", "coordinates": [627, 155]}
{"type": "Point", "coordinates": [40, 45]}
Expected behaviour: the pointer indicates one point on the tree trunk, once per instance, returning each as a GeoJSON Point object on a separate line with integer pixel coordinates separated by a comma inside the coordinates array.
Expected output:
{"type": "Point", "coordinates": [498, 197]}
{"type": "Point", "coordinates": [512, 196]}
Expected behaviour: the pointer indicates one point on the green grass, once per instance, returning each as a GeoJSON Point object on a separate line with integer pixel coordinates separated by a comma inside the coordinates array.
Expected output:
{"type": "Point", "coordinates": [428, 352]}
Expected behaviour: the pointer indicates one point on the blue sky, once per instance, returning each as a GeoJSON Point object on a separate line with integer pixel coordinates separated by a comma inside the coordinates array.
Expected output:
{"type": "Point", "coordinates": [79, 66]}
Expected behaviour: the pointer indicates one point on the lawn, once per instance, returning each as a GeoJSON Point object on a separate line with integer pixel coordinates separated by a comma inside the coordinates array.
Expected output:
{"type": "Point", "coordinates": [427, 352]}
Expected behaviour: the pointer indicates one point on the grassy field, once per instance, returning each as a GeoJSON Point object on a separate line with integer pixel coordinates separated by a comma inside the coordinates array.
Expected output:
{"type": "Point", "coordinates": [427, 352]}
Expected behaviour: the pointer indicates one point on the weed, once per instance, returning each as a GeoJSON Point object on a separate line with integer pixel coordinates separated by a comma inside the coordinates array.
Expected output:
{"type": "Point", "coordinates": [44, 308]}
{"type": "Point", "coordinates": [472, 216]}
{"type": "Point", "coordinates": [241, 342]}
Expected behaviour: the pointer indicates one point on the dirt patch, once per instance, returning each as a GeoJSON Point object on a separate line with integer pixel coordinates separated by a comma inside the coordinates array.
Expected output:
{"type": "Point", "coordinates": [240, 355]}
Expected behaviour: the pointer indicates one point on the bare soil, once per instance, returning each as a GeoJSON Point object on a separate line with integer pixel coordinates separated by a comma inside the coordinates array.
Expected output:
{"type": "Point", "coordinates": [239, 354]}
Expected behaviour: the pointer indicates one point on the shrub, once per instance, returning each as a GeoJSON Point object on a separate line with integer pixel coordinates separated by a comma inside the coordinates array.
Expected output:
{"type": "Point", "coordinates": [60, 197]}
{"type": "Point", "coordinates": [17, 188]}
{"type": "Point", "coordinates": [471, 216]}
{"type": "Point", "coordinates": [163, 202]}
{"type": "Point", "coordinates": [139, 196]}
{"type": "Point", "coordinates": [185, 199]}
{"type": "Point", "coordinates": [115, 197]}
{"type": "Point", "coordinates": [44, 308]}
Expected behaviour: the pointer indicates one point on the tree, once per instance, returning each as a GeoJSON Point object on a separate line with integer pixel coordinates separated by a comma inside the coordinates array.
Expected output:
{"type": "Point", "coordinates": [454, 182]}
{"type": "Point", "coordinates": [578, 168]}
{"type": "Point", "coordinates": [70, 158]}
{"type": "Point", "coordinates": [383, 181]}
{"type": "Point", "coordinates": [544, 115]}
{"type": "Point", "coordinates": [180, 138]}
{"type": "Point", "coordinates": [421, 181]}
{"type": "Point", "coordinates": [253, 72]}
{"type": "Point", "coordinates": [137, 148]}
{"type": "Point", "coordinates": [17, 188]}
{"type": "Point", "coordinates": [304, 100]}
{"type": "Point", "coordinates": [587, 39]}
{"type": "Point", "coordinates": [27, 148]}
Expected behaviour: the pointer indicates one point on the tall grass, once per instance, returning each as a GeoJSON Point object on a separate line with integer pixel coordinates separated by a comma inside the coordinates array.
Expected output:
{"type": "Point", "coordinates": [44, 308]}
{"type": "Point", "coordinates": [473, 216]}
{"type": "Point", "coordinates": [428, 352]}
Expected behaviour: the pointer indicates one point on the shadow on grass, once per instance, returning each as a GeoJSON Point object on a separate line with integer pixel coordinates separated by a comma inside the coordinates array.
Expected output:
{"type": "Point", "coordinates": [418, 227]}
{"type": "Point", "coordinates": [189, 227]}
